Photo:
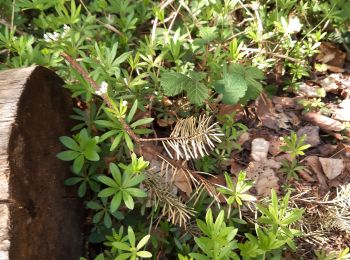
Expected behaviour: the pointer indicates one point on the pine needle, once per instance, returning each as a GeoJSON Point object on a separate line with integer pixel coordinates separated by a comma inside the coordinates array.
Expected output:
{"type": "Point", "coordinates": [192, 138]}
{"type": "Point", "coordinates": [171, 206]}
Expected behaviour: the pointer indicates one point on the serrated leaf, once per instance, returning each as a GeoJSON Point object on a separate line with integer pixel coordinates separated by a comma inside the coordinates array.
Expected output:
{"type": "Point", "coordinates": [174, 83]}
{"type": "Point", "coordinates": [234, 88]}
{"type": "Point", "coordinates": [197, 93]}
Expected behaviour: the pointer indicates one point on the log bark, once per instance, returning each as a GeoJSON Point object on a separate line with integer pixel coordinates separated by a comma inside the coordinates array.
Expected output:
{"type": "Point", "coordinates": [40, 218]}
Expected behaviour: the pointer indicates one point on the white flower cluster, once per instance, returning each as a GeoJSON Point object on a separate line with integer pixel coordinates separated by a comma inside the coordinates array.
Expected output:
{"type": "Point", "coordinates": [103, 89]}
{"type": "Point", "coordinates": [55, 36]}
{"type": "Point", "coordinates": [294, 25]}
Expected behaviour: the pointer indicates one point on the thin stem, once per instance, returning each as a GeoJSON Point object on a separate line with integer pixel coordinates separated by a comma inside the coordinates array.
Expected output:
{"type": "Point", "coordinates": [105, 98]}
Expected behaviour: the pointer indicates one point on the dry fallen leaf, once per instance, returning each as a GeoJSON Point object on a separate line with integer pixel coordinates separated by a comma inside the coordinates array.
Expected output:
{"type": "Point", "coordinates": [275, 145]}
{"type": "Point", "coordinates": [343, 112]}
{"type": "Point", "coordinates": [307, 177]}
{"type": "Point", "coordinates": [267, 114]}
{"type": "Point", "coordinates": [308, 90]}
{"type": "Point", "coordinates": [288, 102]}
{"type": "Point", "coordinates": [312, 135]}
{"type": "Point", "coordinates": [243, 138]}
{"type": "Point", "coordinates": [314, 163]}
{"type": "Point", "coordinates": [324, 122]}
{"type": "Point", "coordinates": [260, 148]}
{"type": "Point", "coordinates": [332, 168]}
{"type": "Point", "coordinates": [331, 55]}
{"type": "Point", "coordinates": [263, 173]}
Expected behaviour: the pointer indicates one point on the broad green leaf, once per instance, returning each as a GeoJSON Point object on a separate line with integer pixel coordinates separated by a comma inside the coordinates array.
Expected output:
{"type": "Point", "coordinates": [128, 200]}
{"type": "Point", "coordinates": [73, 181]}
{"type": "Point", "coordinates": [108, 135]}
{"type": "Point", "coordinates": [91, 154]}
{"type": "Point", "coordinates": [234, 88]}
{"type": "Point", "coordinates": [144, 254]}
{"type": "Point", "coordinates": [82, 189]}
{"type": "Point", "coordinates": [116, 173]}
{"type": "Point", "coordinates": [197, 93]}
{"type": "Point", "coordinates": [122, 58]}
{"type": "Point", "coordinates": [107, 220]}
{"type": "Point", "coordinates": [93, 205]}
{"type": "Point", "coordinates": [174, 83]}
{"type": "Point", "coordinates": [115, 203]}
{"type": "Point", "coordinates": [135, 180]}
{"type": "Point", "coordinates": [129, 142]}
{"type": "Point", "coordinates": [135, 192]}
{"type": "Point", "coordinates": [69, 143]}
{"type": "Point", "coordinates": [100, 257]}
{"type": "Point", "coordinates": [67, 155]}
{"type": "Point", "coordinates": [123, 256]}
{"type": "Point", "coordinates": [108, 181]}
{"type": "Point", "coordinates": [131, 236]}
{"type": "Point", "coordinates": [132, 112]}
{"type": "Point", "coordinates": [106, 124]}
{"type": "Point", "coordinates": [107, 192]}
{"type": "Point", "coordinates": [143, 121]}
{"type": "Point", "coordinates": [78, 163]}
{"type": "Point", "coordinates": [143, 242]}
{"type": "Point", "coordinates": [121, 246]}
{"type": "Point", "coordinates": [116, 141]}
{"type": "Point", "coordinates": [97, 217]}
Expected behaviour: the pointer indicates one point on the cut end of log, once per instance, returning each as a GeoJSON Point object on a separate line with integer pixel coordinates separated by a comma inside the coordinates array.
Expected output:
{"type": "Point", "coordinates": [40, 218]}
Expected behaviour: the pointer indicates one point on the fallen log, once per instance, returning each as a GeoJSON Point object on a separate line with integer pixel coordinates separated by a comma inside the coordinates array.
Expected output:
{"type": "Point", "coordinates": [40, 218]}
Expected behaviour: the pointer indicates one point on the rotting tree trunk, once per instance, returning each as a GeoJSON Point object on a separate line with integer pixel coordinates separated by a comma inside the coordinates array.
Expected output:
{"type": "Point", "coordinates": [40, 218]}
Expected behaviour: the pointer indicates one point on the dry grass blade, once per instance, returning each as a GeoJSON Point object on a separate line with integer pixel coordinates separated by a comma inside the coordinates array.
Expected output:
{"type": "Point", "coordinates": [192, 138]}
{"type": "Point", "coordinates": [176, 211]}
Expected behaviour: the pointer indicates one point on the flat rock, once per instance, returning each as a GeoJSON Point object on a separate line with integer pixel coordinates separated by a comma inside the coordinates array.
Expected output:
{"type": "Point", "coordinates": [260, 148]}
{"type": "Point", "coordinates": [332, 168]}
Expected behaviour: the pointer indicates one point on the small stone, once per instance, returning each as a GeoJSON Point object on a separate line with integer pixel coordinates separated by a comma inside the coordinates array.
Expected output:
{"type": "Point", "coordinates": [332, 168]}
{"type": "Point", "coordinates": [312, 135]}
{"type": "Point", "coordinates": [260, 148]}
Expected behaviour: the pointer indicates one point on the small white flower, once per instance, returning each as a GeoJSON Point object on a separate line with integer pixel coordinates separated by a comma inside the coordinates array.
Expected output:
{"type": "Point", "coordinates": [125, 103]}
{"type": "Point", "coordinates": [294, 25]}
{"type": "Point", "coordinates": [66, 29]}
{"type": "Point", "coordinates": [47, 38]}
{"type": "Point", "coordinates": [51, 37]}
{"type": "Point", "coordinates": [103, 89]}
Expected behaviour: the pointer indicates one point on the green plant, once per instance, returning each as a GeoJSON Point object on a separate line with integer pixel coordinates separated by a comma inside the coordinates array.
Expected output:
{"type": "Point", "coordinates": [236, 194]}
{"type": "Point", "coordinates": [218, 242]}
{"type": "Point", "coordinates": [122, 186]}
{"type": "Point", "coordinates": [324, 255]}
{"type": "Point", "coordinates": [291, 168]}
{"type": "Point", "coordinates": [81, 147]}
{"type": "Point", "coordinates": [294, 145]}
{"type": "Point", "coordinates": [239, 83]}
{"type": "Point", "coordinates": [133, 251]}
{"type": "Point", "coordinates": [278, 217]}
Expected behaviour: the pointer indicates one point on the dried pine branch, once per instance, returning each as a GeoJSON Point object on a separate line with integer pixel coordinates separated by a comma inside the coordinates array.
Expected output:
{"type": "Point", "coordinates": [172, 207]}
{"type": "Point", "coordinates": [192, 138]}
{"type": "Point", "coordinates": [169, 168]}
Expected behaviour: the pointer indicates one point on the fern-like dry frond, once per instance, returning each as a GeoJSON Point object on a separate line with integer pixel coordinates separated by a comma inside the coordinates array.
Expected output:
{"type": "Point", "coordinates": [171, 206]}
{"type": "Point", "coordinates": [192, 138]}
